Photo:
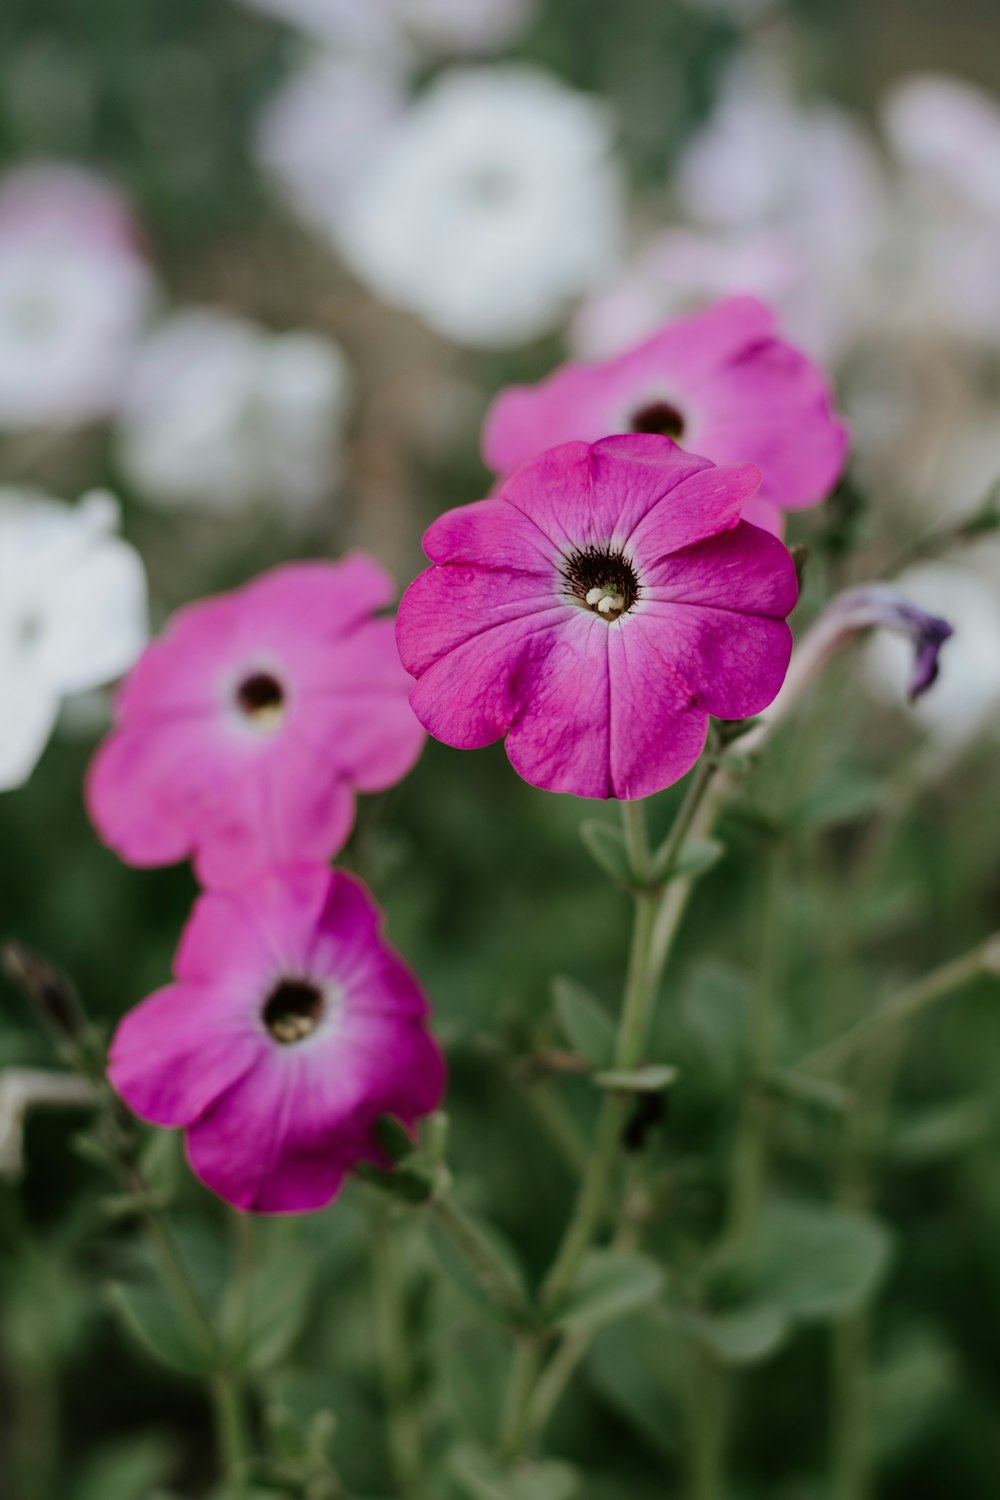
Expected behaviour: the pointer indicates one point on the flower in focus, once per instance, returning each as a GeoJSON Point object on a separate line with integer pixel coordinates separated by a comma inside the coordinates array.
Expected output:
{"type": "Point", "coordinates": [245, 730]}
{"type": "Point", "coordinates": [441, 26]}
{"type": "Point", "coordinates": [74, 293]}
{"type": "Point", "coordinates": [319, 133]}
{"type": "Point", "coordinates": [719, 382]}
{"type": "Point", "coordinates": [595, 612]}
{"type": "Point", "coordinates": [72, 614]}
{"type": "Point", "coordinates": [493, 204]}
{"type": "Point", "coordinates": [221, 412]}
{"type": "Point", "coordinates": [966, 694]}
{"type": "Point", "coordinates": [290, 1028]}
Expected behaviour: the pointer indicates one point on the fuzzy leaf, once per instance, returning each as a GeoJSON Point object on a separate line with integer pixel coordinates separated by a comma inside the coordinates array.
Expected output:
{"type": "Point", "coordinates": [611, 1284]}
{"type": "Point", "coordinates": [695, 859]}
{"type": "Point", "coordinates": [481, 1477]}
{"type": "Point", "coordinates": [742, 1337]}
{"type": "Point", "coordinates": [606, 846]}
{"type": "Point", "coordinates": [149, 1320]}
{"type": "Point", "coordinates": [584, 1022]}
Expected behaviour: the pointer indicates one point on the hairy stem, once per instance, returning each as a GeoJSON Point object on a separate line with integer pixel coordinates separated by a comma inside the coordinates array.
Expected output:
{"type": "Point", "coordinates": [405, 1438]}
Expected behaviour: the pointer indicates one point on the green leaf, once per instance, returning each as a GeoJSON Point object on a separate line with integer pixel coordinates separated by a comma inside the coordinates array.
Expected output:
{"type": "Point", "coordinates": [911, 1384]}
{"type": "Point", "coordinates": [394, 1138]}
{"type": "Point", "coordinates": [812, 1261]}
{"type": "Point", "coordinates": [459, 1267]}
{"type": "Point", "coordinates": [584, 1022]}
{"type": "Point", "coordinates": [149, 1320]}
{"type": "Point", "coordinates": [649, 1078]}
{"type": "Point", "coordinates": [125, 1470]}
{"type": "Point", "coordinates": [843, 799]}
{"type": "Point", "coordinates": [611, 1284]}
{"type": "Point", "coordinates": [742, 1337]}
{"type": "Point", "coordinates": [273, 1313]}
{"type": "Point", "coordinates": [639, 1366]}
{"type": "Point", "coordinates": [936, 1134]}
{"type": "Point", "coordinates": [605, 844]}
{"type": "Point", "coordinates": [482, 1477]}
{"type": "Point", "coordinates": [695, 859]}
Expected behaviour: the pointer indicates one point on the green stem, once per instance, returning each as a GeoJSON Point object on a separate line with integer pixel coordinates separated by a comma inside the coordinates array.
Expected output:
{"type": "Point", "coordinates": [904, 1005]}
{"type": "Point", "coordinates": [521, 1384]}
{"type": "Point", "coordinates": [706, 1480]}
{"type": "Point", "coordinates": [405, 1440]}
{"type": "Point", "coordinates": [231, 1432]}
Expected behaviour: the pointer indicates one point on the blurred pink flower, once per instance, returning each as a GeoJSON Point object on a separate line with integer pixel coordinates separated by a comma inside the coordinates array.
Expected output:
{"type": "Point", "coordinates": [291, 1026]}
{"type": "Point", "coordinates": [244, 732]}
{"type": "Point", "coordinates": [595, 612]}
{"type": "Point", "coordinates": [719, 382]}
{"type": "Point", "coordinates": [74, 292]}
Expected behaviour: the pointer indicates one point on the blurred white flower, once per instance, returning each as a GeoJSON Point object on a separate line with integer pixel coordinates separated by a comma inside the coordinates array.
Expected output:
{"type": "Point", "coordinates": [495, 202]}
{"type": "Point", "coordinates": [965, 699]}
{"type": "Point", "coordinates": [802, 176]}
{"type": "Point", "coordinates": [223, 413]}
{"type": "Point", "coordinates": [442, 26]}
{"type": "Point", "coordinates": [72, 614]}
{"type": "Point", "coordinates": [319, 133]}
{"type": "Point", "coordinates": [946, 136]}
{"type": "Point", "coordinates": [74, 292]}
{"type": "Point", "coordinates": [683, 269]}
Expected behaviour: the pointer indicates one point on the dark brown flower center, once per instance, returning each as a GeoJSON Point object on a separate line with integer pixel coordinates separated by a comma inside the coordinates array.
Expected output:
{"type": "Point", "coordinates": [293, 1010]}
{"type": "Point", "coordinates": [602, 581]}
{"type": "Point", "coordinates": [659, 417]}
{"type": "Point", "coordinates": [261, 698]}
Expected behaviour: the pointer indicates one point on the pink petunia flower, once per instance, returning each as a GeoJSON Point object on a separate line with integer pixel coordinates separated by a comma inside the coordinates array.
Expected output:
{"type": "Point", "coordinates": [290, 1027]}
{"type": "Point", "coordinates": [596, 611]}
{"type": "Point", "coordinates": [244, 732]}
{"type": "Point", "coordinates": [718, 381]}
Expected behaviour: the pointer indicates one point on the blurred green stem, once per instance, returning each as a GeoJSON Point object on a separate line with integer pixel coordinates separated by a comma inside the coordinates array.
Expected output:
{"type": "Point", "coordinates": [405, 1441]}
{"type": "Point", "coordinates": [658, 907]}
{"type": "Point", "coordinates": [706, 1430]}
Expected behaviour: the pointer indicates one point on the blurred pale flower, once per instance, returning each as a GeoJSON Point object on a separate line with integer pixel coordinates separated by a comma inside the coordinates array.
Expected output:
{"type": "Point", "coordinates": [965, 697]}
{"type": "Point", "coordinates": [74, 292]}
{"type": "Point", "coordinates": [494, 204]}
{"type": "Point", "coordinates": [946, 135]}
{"type": "Point", "coordinates": [224, 413]}
{"type": "Point", "coordinates": [681, 270]}
{"type": "Point", "coordinates": [805, 173]}
{"type": "Point", "coordinates": [442, 26]}
{"type": "Point", "coordinates": [72, 614]}
{"type": "Point", "coordinates": [318, 134]}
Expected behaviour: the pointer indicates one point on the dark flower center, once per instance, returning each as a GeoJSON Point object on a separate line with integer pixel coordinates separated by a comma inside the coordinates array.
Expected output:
{"type": "Point", "coordinates": [261, 698]}
{"type": "Point", "coordinates": [659, 417]}
{"type": "Point", "coordinates": [602, 581]}
{"type": "Point", "coordinates": [293, 1010]}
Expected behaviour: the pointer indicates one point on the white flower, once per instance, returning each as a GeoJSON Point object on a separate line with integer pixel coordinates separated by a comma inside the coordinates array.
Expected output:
{"type": "Point", "coordinates": [74, 291]}
{"type": "Point", "coordinates": [72, 614]}
{"type": "Point", "coordinates": [319, 133]}
{"type": "Point", "coordinates": [224, 413]}
{"type": "Point", "coordinates": [946, 136]}
{"type": "Point", "coordinates": [495, 202]}
{"type": "Point", "coordinates": [443, 26]}
{"type": "Point", "coordinates": [766, 167]}
{"type": "Point", "coordinates": [965, 699]}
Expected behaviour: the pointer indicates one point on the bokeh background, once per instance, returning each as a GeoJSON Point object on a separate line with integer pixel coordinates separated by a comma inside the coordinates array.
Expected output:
{"type": "Point", "coordinates": [279, 340]}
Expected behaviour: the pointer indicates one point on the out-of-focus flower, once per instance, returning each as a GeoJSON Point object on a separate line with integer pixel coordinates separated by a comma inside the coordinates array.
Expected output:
{"type": "Point", "coordinates": [437, 26]}
{"type": "Point", "coordinates": [966, 694]}
{"type": "Point", "coordinates": [290, 1028]}
{"type": "Point", "coordinates": [719, 382]}
{"type": "Point", "coordinates": [74, 293]}
{"type": "Point", "coordinates": [596, 612]}
{"type": "Point", "coordinates": [72, 614]}
{"type": "Point", "coordinates": [495, 202]}
{"type": "Point", "coordinates": [765, 165]}
{"type": "Point", "coordinates": [221, 412]}
{"type": "Point", "coordinates": [946, 135]}
{"type": "Point", "coordinates": [319, 133]}
{"type": "Point", "coordinates": [245, 730]}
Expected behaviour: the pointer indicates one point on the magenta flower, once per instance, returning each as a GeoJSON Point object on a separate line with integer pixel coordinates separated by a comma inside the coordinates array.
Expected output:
{"type": "Point", "coordinates": [292, 1025]}
{"type": "Point", "coordinates": [244, 732]}
{"type": "Point", "coordinates": [719, 382]}
{"type": "Point", "coordinates": [596, 611]}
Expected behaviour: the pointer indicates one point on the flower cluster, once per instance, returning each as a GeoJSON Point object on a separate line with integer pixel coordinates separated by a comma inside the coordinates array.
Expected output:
{"type": "Point", "coordinates": [242, 737]}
